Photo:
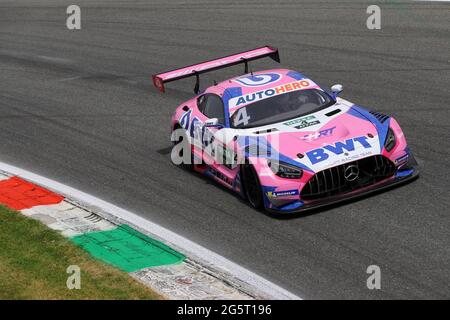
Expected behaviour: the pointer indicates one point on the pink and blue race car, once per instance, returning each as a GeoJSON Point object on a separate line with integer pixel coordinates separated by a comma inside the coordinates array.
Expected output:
{"type": "Point", "coordinates": [283, 142]}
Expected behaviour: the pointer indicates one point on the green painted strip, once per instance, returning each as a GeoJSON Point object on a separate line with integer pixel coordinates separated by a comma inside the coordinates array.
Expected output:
{"type": "Point", "coordinates": [128, 249]}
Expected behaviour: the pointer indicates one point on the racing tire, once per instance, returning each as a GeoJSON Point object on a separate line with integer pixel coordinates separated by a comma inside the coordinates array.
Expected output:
{"type": "Point", "coordinates": [252, 187]}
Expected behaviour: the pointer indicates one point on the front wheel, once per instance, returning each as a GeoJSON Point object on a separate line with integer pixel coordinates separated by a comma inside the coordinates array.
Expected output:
{"type": "Point", "coordinates": [252, 187]}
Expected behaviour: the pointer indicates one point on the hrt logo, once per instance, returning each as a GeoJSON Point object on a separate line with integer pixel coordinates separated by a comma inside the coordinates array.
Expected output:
{"type": "Point", "coordinates": [322, 154]}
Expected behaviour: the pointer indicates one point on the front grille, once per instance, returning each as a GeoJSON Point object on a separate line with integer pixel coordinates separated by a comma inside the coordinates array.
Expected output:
{"type": "Point", "coordinates": [380, 116]}
{"type": "Point", "coordinates": [333, 181]}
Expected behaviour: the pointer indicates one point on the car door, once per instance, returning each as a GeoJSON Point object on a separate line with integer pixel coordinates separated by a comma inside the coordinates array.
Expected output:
{"type": "Point", "coordinates": [212, 107]}
{"type": "Point", "coordinates": [215, 150]}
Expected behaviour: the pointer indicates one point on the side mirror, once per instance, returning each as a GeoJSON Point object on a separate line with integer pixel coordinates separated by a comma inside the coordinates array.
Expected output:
{"type": "Point", "coordinates": [337, 89]}
{"type": "Point", "coordinates": [212, 123]}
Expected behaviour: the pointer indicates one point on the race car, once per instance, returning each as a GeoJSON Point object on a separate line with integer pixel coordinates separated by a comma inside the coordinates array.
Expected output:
{"type": "Point", "coordinates": [281, 141]}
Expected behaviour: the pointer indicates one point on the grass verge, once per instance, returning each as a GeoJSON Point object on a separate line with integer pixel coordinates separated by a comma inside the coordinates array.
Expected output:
{"type": "Point", "coordinates": [34, 260]}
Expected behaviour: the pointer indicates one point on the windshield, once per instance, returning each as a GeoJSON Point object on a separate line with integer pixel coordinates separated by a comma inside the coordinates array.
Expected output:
{"type": "Point", "coordinates": [280, 108]}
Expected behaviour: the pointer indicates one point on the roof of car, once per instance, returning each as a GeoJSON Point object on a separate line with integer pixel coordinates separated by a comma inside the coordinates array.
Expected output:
{"type": "Point", "coordinates": [256, 82]}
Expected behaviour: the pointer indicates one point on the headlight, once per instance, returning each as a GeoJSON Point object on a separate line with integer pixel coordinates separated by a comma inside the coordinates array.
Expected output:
{"type": "Point", "coordinates": [285, 170]}
{"type": "Point", "coordinates": [389, 144]}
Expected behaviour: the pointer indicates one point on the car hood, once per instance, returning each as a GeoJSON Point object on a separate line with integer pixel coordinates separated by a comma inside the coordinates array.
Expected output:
{"type": "Point", "coordinates": [333, 136]}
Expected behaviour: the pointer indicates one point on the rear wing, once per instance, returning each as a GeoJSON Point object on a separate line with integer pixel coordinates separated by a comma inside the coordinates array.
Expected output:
{"type": "Point", "coordinates": [196, 69]}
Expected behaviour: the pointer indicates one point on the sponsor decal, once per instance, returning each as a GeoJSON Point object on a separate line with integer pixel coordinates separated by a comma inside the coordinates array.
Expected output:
{"type": "Point", "coordinates": [287, 193]}
{"type": "Point", "coordinates": [260, 95]}
{"type": "Point", "coordinates": [322, 154]}
{"type": "Point", "coordinates": [185, 120]}
{"type": "Point", "coordinates": [225, 156]}
{"type": "Point", "coordinates": [402, 159]}
{"type": "Point", "coordinates": [194, 127]}
{"type": "Point", "coordinates": [302, 122]}
{"type": "Point", "coordinates": [350, 158]}
{"type": "Point", "coordinates": [319, 134]}
{"type": "Point", "coordinates": [258, 80]}
{"type": "Point", "coordinates": [219, 175]}
{"type": "Point", "coordinates": [214, 64]}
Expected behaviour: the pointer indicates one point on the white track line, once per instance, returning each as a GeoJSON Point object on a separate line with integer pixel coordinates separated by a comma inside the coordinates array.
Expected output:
{"type": "Point", "coordinates": [268, 288]}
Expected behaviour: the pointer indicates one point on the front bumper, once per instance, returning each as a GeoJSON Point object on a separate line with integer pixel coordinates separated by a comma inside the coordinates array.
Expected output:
{"type": "Point", "coordinates": [404, 174]}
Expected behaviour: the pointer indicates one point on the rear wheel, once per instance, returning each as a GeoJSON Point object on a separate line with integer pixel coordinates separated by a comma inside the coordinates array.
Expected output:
{"type": "Point", "coordinates": [252, 187]}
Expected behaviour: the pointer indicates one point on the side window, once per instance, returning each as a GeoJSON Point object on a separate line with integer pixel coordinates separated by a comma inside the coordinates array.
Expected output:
{"type": "Point", "coordinates": [211, 105]}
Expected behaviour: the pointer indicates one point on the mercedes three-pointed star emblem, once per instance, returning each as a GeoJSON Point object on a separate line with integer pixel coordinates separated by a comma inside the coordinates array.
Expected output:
{"type": "Point", "coordinates": [351, 173]}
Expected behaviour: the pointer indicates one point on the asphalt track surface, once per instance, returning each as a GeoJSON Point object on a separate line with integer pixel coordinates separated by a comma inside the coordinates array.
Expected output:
{"type": "Point", "coordinates": [78, 107]}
